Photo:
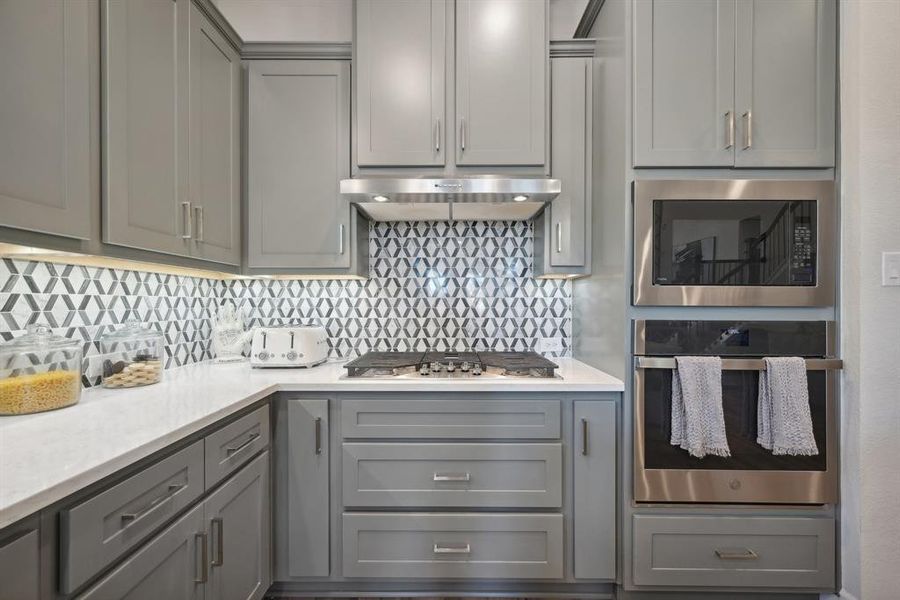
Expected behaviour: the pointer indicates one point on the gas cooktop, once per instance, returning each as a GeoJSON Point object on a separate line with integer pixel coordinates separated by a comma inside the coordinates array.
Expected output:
{"type": "Point", "coordinates": [449, 365]}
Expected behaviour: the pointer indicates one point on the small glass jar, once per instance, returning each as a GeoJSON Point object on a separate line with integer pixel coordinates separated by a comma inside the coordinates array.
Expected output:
{"type": "Point", "coordinates": [39, 371]}
{"type": "Point", "coordinates": [132, 356]}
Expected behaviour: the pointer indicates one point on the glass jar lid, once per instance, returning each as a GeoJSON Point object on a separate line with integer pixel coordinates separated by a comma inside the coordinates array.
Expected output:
{"type": "Point", "coordinates": [131, 330]}
{"type": "Point", "coordinates": [39, 338]}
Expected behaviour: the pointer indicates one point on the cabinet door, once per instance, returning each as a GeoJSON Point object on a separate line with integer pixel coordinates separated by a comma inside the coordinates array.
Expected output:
{"type": "Point", "coordinates": [684, 83]}
{"type": "Point", "coordinates": [145, 129]}
{"type": "Point", "coordinates": [595, 490]}
{"type": "Point", "coordinates": [215, 143]}
{"type": "Point", "coordinates": [172, 566]}
{"type": "Point", "coordinates": [46, 116]}
{"type": "Point", "coordinates": [400, 57]}
{"type": "Point", "coordinates": [308, 496]}
{"type": "Point", "coordinates": [239, 525]}
{"type": "Point", "coordinates": [570, 155]}
{"type": "Point", "coordinates": [785, 83]}
{"type": "Point", "coordinates": [299, 139]}
{"type": "Point", "coordinates": [20, 566]}
{"type": "Point", "coordinates": [501, 82]}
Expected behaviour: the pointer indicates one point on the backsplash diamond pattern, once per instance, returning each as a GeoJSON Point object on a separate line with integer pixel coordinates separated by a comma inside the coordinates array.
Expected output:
{"type": "Point", "coordinates": [433, 285]}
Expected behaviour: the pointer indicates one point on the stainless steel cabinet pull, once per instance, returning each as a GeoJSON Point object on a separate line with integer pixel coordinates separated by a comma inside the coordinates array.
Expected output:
{"type": "Point", "coordinates": [744, 554]}
{"type": "Point", "coordinates": [440, 548]}
{"type": "Point", "coordinates": [186, 222]}
{"type": "Point", "coordinates": [217, 527]}
{"type": "Point", "coordinates": [318, 435]}
{"type": "Point", "coordinates": [558, 237]}
{"type": "Point", "coordinates": [748, 130]}
{"type": "Point", "coordinates": [462, 134]}
{"type": "Point", "coordinates": [200, 540]}
{"type": "Point", "coordinates": [452, 477]}
{"type": "Point", "coordinates": [174, 488]}
{"type": "Point", "coordinates": [198, 215]}
{"type": "Point", "coordinates": [341, 238]}
{"type": "Point", "coordinates": [739, 364]}
{"type": "Point", "coordinates": [231, 451]}
{"type": "Point", "coordinates": [729, 129]}
{"type": "Point", "coordinates": [584, 437]}
{"type": "Point", "coordinates": [437, 135]}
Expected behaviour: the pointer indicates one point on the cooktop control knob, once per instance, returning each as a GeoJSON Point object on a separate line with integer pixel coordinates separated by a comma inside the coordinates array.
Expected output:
{"type": "Point", "coordinates": [424, 370]}
{"type": "Point", "coordinates": [465, 367]}
{"type": "Point", "coordinates": [450, 367]}
{"type": "Point", "coordinates": [476, 370]}
{"type": "Point", "coordinates": [291, 355]}
{"type": "Point", "coordinates": [436, 367]}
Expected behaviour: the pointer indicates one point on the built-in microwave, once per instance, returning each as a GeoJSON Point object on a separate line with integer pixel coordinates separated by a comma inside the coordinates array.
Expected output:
{"type": "Point", "coordinates": [734, 242]}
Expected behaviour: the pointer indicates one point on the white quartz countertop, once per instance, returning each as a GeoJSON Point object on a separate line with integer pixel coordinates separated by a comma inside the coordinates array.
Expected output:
{"type": "Point", "coordinates": [47, 456]}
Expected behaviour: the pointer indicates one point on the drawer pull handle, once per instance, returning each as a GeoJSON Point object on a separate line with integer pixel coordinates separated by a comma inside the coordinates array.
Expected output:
{"type": "Point", "coordinates": [217, 526]}
{"type": "Point", "coordinates": [129, 518]}
{"type": "Point", "coordinates": [456, 477]}
{"type": "Point", "coordinates": [584, 437]}
{"type": "Point", "coordinates": [745, 554]}
{"type": "Point", "coordinates": [318, 422]}
{"type": "Point", "coordinates": [440, 548]}
{"type": "Point", "coordinates": [203, 562]}
{"type": "Point", "coordinates": [245, 444]}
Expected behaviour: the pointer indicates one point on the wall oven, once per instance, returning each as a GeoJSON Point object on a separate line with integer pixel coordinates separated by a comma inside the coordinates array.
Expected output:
{"type": "Point", "coordinates": [734, 242]}
{"type": "Point", "coordinates": [752, 474]}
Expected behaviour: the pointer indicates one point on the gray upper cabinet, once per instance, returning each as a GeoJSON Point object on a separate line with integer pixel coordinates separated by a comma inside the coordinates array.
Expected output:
{"type": "Point", "coordinates": [785, 83]}
{"type": "Point", "coordinates": [400, 82]}
{"type": "Point", "coordinates": [298, 148]}
{"type": "Point", "coordinates": [720, 83]}
{"type": "Point", "coordinates": [501, 82]}
{"type": "Point", "coordinates": [215, 121]}
{"type": "Point", "coordinates": [684, 83]}
{"type": "Point", "coordinates": [47, 147]}
{"type": "Point", "coordinates": [145, 141]}
{"type": "Point", "coordinates": [237, 515]}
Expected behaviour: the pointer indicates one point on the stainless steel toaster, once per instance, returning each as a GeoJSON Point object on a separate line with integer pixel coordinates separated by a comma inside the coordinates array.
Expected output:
{"type": "Point", "coordinates": [292, 346]}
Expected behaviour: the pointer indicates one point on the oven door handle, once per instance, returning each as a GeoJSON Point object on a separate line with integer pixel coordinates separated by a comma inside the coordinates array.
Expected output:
{"type": "Point", "coordinates": [739, 364]}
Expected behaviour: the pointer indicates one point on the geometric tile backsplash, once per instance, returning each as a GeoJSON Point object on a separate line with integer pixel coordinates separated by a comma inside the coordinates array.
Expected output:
{"type": "Point", "coordinates": [432, 285]}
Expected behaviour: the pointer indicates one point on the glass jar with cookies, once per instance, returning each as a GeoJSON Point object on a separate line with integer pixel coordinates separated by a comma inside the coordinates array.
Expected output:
{"type": "Point", "coordinates": [132, 356]}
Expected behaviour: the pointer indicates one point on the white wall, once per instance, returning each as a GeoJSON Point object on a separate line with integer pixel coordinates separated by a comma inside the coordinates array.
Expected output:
{"type": "Point", "coordinates": [290, 20]}
{"type": "Point", "coordinates": [870, 171]}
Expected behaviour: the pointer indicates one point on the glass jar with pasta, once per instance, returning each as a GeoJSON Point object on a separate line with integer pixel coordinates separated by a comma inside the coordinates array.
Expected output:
{"type": "Point", "coordinates": [39, 371]}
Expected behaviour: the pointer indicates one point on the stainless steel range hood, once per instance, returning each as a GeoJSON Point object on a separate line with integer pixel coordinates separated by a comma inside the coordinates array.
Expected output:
{"type": "Point", "coordinates": [441, 199]}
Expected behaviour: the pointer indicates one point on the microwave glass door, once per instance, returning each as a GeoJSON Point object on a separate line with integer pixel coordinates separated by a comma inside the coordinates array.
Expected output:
{"type": "Point", "coordinates": [739, 401]}
{"type": "Point", "coordinates": [734, 243]}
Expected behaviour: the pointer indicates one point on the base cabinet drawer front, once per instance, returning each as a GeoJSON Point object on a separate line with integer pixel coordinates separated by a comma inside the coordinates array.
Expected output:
{"type": "Point", "coordinates": [171, 566]}
{"type": "Point", "coordinates": [97, 531]}
{"type": "Point", "coordinates": [451, 546]}
{"type": "Point", "coordinates": [20, 566]}
{"type": "Point", "coordinates": [778, 552]}
{"type": "Point", "coordinates": [451, 419]}
{"type": "Point", "coordinates": [452, 475]}
{"type": "Point", "coordinates": [234, 444]}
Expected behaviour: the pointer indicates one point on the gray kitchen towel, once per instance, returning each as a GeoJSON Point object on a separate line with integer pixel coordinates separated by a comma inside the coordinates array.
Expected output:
{"type": "Point", "coordinates": [783, 420]}
{"type": "Point", "coordinates": [698, 422]}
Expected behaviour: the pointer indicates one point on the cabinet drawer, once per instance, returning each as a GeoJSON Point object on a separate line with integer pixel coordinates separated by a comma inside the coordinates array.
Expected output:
{"type": "Point", "coordinates": [97, 531]}
{"type": "Point", "coordinates": [450, 546]}
{"type": "Point", "coordinates": [453, 475]}
{"type": "Point", "coordinates": [231, 446]}
{"type": "Point", "coordinates": [451, 419]}
{"type": "Point", "coordinates": [734, 551]}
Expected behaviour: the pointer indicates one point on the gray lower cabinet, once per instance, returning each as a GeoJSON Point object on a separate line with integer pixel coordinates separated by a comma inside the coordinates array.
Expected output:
{"type": "Point", "coordinates": [400, 48]}
{"type": "Point", "coordinates": [563, 231]}
{"type": "Point", "coordinates": [20, 573]}
{"type": "Point", "coordinates": [452, 546]}
{"type": "Point", "coordinates": [298, 151]}
{"type": "Point", "coordinates": [727, 83]}
{"type": "Point", "coordinates": [47, 148]}
{"type": "Point", "coordinates": [308, 494]}
{"type": "Point", "coordinates": [594, 484]}
{"type": "Point", "coordinates": [501, 82]}
{"type": "Point", "coordinates": [238, 521]}
{"type": "Point", "coordinates": [728, 551]}
{"type": "Point", "coordinates": [171, 566]}
{"type": "Point", "coordinates": [215, 144]}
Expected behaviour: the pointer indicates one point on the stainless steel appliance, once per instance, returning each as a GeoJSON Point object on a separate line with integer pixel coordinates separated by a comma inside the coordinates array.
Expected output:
{"type": "Point", "coordinates": [734, 243]}
{"type": "Point", "coordinates": [450, 365]}
{"type": "Point", "coordinates": [484, 197]}
{"type": "Point", "coordinates": [295, 346]}
{"type": "Point", "coordinates": [752, 474]}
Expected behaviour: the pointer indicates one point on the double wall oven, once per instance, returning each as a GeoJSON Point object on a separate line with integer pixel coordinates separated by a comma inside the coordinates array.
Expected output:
{"type": "Point", "coordinates": [752, 474]}
{"type": "Point", "coordinates": [734, 242]}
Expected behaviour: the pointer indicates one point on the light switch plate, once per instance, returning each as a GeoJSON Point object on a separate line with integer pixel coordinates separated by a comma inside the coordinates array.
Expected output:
{"type": "Point", "coordinates": [890, 268]}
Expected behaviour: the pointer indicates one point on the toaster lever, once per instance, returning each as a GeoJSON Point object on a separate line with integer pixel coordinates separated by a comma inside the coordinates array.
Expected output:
{"type": "Point", "coordinates": [292, 340]}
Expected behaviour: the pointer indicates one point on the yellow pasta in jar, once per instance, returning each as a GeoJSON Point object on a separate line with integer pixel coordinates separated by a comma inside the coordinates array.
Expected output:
{"type": "Point", "coordinates": [38, 392]}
